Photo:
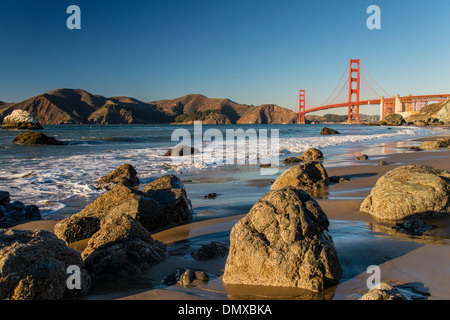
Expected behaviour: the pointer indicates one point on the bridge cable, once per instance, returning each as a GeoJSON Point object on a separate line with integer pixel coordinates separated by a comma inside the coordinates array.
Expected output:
{"type": "Point", "coordinates": [343, 87]}
{"type": "Point", "coordinates": [370, 86]}
{"type": "Point", "coordinates": [345, 72]}
{"type": "Point", "coordinates": [388, 95]}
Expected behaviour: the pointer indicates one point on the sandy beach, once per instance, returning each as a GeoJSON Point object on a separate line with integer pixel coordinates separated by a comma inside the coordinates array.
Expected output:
{"type": "Point", "coordinates": [417, 265]}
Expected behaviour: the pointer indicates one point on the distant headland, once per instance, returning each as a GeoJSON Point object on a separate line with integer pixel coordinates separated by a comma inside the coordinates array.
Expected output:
{"type": "Point", "coordinates": [77, 106]}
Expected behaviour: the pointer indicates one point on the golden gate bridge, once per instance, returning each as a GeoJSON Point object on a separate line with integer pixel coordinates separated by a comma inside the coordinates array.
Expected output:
{"type": "Point", "coordinates": [353, 95]}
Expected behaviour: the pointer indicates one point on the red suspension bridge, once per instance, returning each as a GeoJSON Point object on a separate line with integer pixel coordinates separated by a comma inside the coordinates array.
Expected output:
{"type": "Point", "coordinates": [353, 93]}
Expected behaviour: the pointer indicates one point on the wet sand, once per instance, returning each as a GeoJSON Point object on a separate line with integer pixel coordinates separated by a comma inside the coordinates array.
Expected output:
{"type": "Point", "coordinates": [418, 265]}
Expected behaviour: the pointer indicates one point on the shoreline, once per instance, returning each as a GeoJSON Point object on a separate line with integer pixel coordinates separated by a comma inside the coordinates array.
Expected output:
{"type": "Point", "coordinates": [359, 239]}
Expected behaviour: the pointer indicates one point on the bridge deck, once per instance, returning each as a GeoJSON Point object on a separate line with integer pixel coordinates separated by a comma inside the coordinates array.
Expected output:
{"type": "Point", "coordinates": [432, 97]}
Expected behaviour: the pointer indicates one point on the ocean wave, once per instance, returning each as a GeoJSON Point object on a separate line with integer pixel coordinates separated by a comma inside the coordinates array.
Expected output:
{"type": "Point", "coordinates": [56, 178]}
{"type": "Point", "coordinates": [299, 145]}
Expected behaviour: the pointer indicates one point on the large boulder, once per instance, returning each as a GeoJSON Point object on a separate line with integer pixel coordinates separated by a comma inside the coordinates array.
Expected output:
{"type": "Point", "coordinates": [283, 241]}
{"type": "Point", "coordinates": [36, 138]}
{"type": "Point", "coordinates": [21, 120]}
{"type": "Point", "coordinates": [306, 176]}
{"type": "Point", "coordinates": [409, 191]}
{"type": "Point", "coordinates": [122, 199]}
{"type": "Point", "coordinates": [394, 119]}
{"type": "Point", "coordinates": [170, 193]}
{"type": "Point", "coordinates": [121, 249]}
{"type": "Point", "coordinates": [34, 266]}
{"type": "Point", "coordinates": [125, 174]}
{"type": "Point", "coordinates": [161, 203]}
{"type": "Point", "coordinates": [435, 144]}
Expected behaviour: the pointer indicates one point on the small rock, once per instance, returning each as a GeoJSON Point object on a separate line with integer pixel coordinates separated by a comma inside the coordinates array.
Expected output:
{"type": "Point", "coordinates": [210, 195]}
{"type": "Point", "coordinates": [181, 151]}
{"type": "Point", "coordinates": [394, 119]}
{"type": "Point", "coordinates": [435, 144]}
{"type": "Point", "coordinates": [125, 174]}
{"type": "Point", "coordinates": [172, 278]}
{"type": "Point", "coordinates": [328, 131]}
{"type": "Point", "coordinates": [382, 163]}
{"type": "Point", "coordinates": [362, 157]}
{"type": "Point", "coordinates": [339, 179]}
{"type": "Point", "coordinates": [383, 291]}
{"type": "Point", "coordinates": [265, 165]}
{"type": "Point", "coordinates": [312, 154]}
{"type": "Point", "coordinates": [414, 148]}
{"type": "Point", "coordinates": [18, 210]}
{"type": "Point", "coordinates": [292, 160]}
{"type": "Point", "coordinates": [201, 275]}
{"type": "Point", "coordinates": [413, 227]}
{"type": "Point", "coordinates": [4, 198]}
{"type": "Point", "coordinates": [36, 138]}
{"type": "Point", "coordinates": [186, 278]}
{"type": "Point", "coordinates": [210, 251]}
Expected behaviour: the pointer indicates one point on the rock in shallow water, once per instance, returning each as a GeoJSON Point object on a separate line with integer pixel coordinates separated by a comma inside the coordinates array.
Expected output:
{"type": "Point", "coordinates": [21, 120]}
{"type": "Point", "coordinates": [306, 176]}
{"type": "Point", "coordinates": [409, 191]}
{"type": "Point", "coordinates": [180, 151]}
{"type": "Point", "coordinates": [125, 174]}
{"type": "Point", "coordinates": [362, 157]}
{"type": "Point", "coordinates": [283, 241]}
{"type": "Point", "coordinates": [435, 144]}
{"type": "Point", "coordinates": [36, 138]}
{"type": "Point", "coordinates": [413, 227]}
{"type": "Point", "coordinates": [312, 154]}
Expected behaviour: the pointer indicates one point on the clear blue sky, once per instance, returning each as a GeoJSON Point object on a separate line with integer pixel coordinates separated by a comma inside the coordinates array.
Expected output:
{"type": "Point", "coordinates": [249, 51]}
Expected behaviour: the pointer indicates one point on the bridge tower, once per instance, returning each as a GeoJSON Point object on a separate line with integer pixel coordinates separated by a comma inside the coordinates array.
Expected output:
{"type": "Point", "coordinates": [301, 107]}
{"type": "Point", "coordinates": [353, 91]}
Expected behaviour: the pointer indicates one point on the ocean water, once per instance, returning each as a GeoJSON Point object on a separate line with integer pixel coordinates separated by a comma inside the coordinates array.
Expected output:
{"type": "Point", "coordinates": [47, 175]}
